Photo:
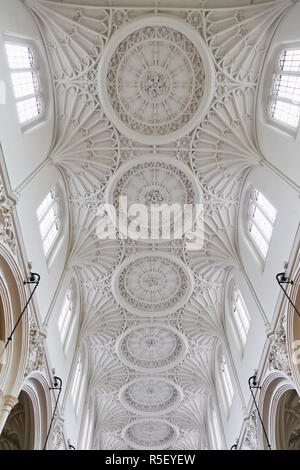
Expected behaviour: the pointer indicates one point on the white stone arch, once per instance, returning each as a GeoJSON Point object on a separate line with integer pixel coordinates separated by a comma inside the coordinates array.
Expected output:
{"type": "Point", "coordinates": [18, 431]}
{"type": "Point", "coordinates": [293, 324]}
{"type": "Point", "coordinates": [27, 424]}
{"type": "Point", "coordinates": [13, 299]}
{"type": "Point", "coordinates": [288, 421]}
{"type": "Point", "coordinates": [274, 387]}
{"type": "Point", "coordinates": [36, 388]}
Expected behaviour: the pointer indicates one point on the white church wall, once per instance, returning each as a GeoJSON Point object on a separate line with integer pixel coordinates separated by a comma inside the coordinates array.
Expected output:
{"type": "Point", "coordinates": [232, 416]}
{"type": "Point", "coordinates": [33, 146]}
{"type": "Point", "coordinates": [72, 423]}
{"type": "Point", "coordinates": [287, 204]}
{"type": "Point", "coordinates": [50, 270]}
{"type": "Point", "coordinates": [73, 416]}
{"type": "Point", "coordinates": [246, 359]}
{"type": "Point", "coordinates": [233, 422]}
{"type": "Point", "coordinates": [277, 146]}
{"type": "Point", "coordinates": [262, 278]}
{"type": "Point", "coordinates": [61, 357]}
{"type": "Point", "coordinates": [87, 427]}
{"type": "Point", "coordinates": [243, 360]}
{"type": "Point", "coordinates": [26, 149]}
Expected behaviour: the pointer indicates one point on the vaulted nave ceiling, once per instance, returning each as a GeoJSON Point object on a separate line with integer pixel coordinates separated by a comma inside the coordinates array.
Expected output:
{"type": "Point", "coordinates": [154, 100]}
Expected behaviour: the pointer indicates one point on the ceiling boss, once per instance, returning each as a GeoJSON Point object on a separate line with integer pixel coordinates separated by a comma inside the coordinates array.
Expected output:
{"type": "Point", "coordinates": [155, 79]}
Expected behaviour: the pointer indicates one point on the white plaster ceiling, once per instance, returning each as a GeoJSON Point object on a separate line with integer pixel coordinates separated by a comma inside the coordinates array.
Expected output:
{"type": "Point", "coordinates": [126, 113]}
{"type": "Point", "coordinates": [156, 78]}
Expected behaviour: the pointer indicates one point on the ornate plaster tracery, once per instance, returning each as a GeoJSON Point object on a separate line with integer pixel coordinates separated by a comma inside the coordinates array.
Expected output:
{"type": "Point", "coordinates": [153, 181]}
{"type": "Point", "coordinates": [150, 395]}
{"type": "Point", "coordinates": [155, 79]}
{"type": "Point", "coordinates": [149, 347]}
{"type": "Point", "coordinates": [197, 129]}
{"type": "Point", "coordinates": [291, 421]}
{"type": "Point", "coordinates": [150, 434]}
{"type": "Point", "coordinates": [7, 230]}
{"type": "Point", "coordinates": [152, 284]}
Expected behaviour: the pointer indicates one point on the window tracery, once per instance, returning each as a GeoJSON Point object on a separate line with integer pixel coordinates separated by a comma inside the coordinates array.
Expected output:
{"type": "Point", "coordinates": [25, 81]}
{"type": "Point", "coordinates": [49, 220]}
{"type": "Point", "coordinates": [285, 93]}
{"type": "Point", "coordinates": [262, 216]}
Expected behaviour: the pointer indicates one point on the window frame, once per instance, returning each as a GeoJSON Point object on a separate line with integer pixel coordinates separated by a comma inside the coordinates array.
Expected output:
{"type": "Point", "coordinates": [35, 68]}
{"type": "Point", "coordinates": [226, 383]}
{"type": "Point", "coordinates": [75, 311]}
{"type": "Point", "coordinates": [57, 220]}
{"type": "Point", "coordinates": [235, 295]}
{"type": "Point", "coordinates": [277, 71]}
{"type": "Point", "coordinates": [78, 380]}
{"type": "Point", "coordinates": [252, 201]}
{"type": "Point", "coordinates": [66, 312]}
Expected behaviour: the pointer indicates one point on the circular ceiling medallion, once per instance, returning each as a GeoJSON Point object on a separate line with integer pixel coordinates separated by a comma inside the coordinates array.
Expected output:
{"type": "Point", "coordinates": [151, 347]}
{"type": "Point", "coordinates": [150, 395]}
{"type": "Point", "coordinates": [156, 79]}
{"type": "Point", "coordinates": [150, 434]}
{"type": "Point", "coordinates": [154, 181]}
{"type": "Point", "coordinates": [152, 284]}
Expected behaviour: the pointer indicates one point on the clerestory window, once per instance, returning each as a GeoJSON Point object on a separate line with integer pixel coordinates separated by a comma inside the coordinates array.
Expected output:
{"type": "Point", "coordinates": [285, 93]}
{"type": "Point", "coordinates": [48, 217]}
{"type": "Point", "coordinates": [25, 81]}
{"type": "Point", "coordinates": [262, 216]}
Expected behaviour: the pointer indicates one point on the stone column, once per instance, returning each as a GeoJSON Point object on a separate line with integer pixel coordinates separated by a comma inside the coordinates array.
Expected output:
{"type": "Point", "coordinates": [7, 402]}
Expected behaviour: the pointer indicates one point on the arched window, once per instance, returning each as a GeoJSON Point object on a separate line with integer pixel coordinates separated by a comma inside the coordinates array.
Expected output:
{"type": "Point", "coordinates": [65, 316]}
{"type": "Point", "coordinates": [285, 94]}
{"type": "Point", "coordinates": [48, 217]}
{"type": "Point", "coordinates": [215, 430]}
{"type": "Point", "coordinates": [78, 384]}
{"type": "Point", "coordinates": [228, 391]}
{"type": "Point", "coordinates": [240, 315]}
{"type": "Point", "coordinates": [87, 430]}
{"type": "Point", "coordinates": [25, 81]}
{"type": "Point", "coordinates": [262, 217]}
{"type": "Point", "coordinates": [19, 430]}
{"type": "Point", "coordinates": [287, 421]}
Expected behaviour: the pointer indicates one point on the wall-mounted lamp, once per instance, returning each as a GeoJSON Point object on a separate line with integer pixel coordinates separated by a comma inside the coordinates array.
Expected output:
{"type": "Point", "coordinates": [253, 384]}
{"type": "Point", "coordinates": [33, 278]}
{"type": "Point", "coordinates": [57, 385]}
{"type": "Point", "coordinates": [70, 447]}
{"type": "Point", "coordinates": [282, 278]}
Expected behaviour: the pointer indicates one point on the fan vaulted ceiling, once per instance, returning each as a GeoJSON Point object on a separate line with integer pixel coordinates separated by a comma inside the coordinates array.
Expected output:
{"type": "Point", "coordinates": [155, 102]}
